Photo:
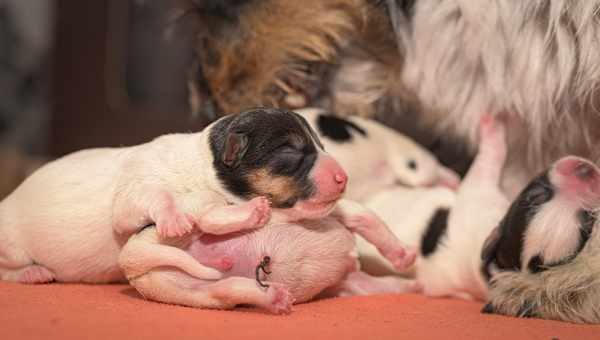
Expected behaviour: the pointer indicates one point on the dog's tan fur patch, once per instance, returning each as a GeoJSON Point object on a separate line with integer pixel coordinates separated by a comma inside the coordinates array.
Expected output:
{"type": "Point", "coordinates": [277, 189]}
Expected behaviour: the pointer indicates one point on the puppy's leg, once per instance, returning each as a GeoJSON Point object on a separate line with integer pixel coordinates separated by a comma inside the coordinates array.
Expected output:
{"type": "Point", "coordinates": [172, 286]}
{"type": "Point", "coordinates": [176, 215]}
{"type": "Point", "coordinates": [361, 283]}
{"type": "Point", "coordinates": [365, 223]}
{"type": "Point", "coordinates": [227, 219]}
{"type": "Point", "coordinates": [137, 206]}
{"type": "Point", "coordinates": [17, 266]}
{"type": "Point", "coordinates": [487, 165]}
{"type": "Point", "coordinates": [29, 274]}
{"type": "Point", "coordinates": [142, 253]}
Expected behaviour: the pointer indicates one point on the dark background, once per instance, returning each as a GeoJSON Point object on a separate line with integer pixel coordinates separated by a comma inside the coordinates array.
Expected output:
{"type": "Point", "coordinates": [117, 80]}
{"type": "Point", "coordinates": [109, 73]}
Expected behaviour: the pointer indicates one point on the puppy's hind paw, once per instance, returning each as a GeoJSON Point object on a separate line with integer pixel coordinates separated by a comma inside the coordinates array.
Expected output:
{"type": "Point", "coordinates": [261, 212]}
{"type": "Point", "coordinates": [401, 258]}
{"type": "Point", "coordinates": [31, 274]}
{"type": "Point", "coordinates": [281, 300]}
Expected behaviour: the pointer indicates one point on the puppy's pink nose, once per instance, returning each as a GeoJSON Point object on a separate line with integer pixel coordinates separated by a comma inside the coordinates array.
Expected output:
{"type": "Point", "coordinates": [576, 167]}
{"type": "Point", "coordinates": [341, 179]}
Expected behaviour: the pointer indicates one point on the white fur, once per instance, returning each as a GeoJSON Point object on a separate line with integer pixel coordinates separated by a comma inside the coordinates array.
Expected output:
{"type": "Point", "coordinates": [552, 233]}
{"type": "Point", "coordinates": [407, 211]}
{"type": "Point", "coordinates": [454, 269]}
{"type": "Point", "coordinates": [536, 60]}
{"type": "Point", "coordinates": [62, 217]}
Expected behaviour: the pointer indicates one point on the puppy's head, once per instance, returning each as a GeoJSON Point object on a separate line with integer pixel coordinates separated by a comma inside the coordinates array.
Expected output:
{"type": "Point", "coordinates": [275, 153]}
{"type": "Point", "coordinates": [550, 221]}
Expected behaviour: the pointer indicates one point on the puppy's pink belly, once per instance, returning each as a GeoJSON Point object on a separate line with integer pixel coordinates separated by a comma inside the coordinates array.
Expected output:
{"type": "Point", "coordinates": [229, 254]}
{"type": "Point", "coordinates": [304, 258]}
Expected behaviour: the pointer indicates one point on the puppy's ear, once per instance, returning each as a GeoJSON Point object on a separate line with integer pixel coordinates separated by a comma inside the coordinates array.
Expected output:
{"type": "Point", "coordinates": [310, 130]}
{"type": "Point", "coordinates": [236, 145]}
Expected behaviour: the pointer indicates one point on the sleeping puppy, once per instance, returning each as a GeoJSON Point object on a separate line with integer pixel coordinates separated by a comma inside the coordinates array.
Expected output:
{"type": "Point", "coordinates": [375, 156]}
{"type": "Point", "coordinates": [449, 228]}
{"type": "Point", "coordinates": [272, 267]}
{"type": "Point", "coordinates": [84, 206]}
{"type": "Point", "coordinates": [545, 250]}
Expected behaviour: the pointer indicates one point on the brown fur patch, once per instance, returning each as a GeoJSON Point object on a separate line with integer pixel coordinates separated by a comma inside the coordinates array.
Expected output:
{"type": "Point", "coordinates": [277, 189]}
{"type": "Point", "coordinates": [287, 49]}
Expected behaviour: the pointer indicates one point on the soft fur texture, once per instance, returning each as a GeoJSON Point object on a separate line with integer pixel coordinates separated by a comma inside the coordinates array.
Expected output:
{"type": "Point", "coordinates": [291, 54]}
{"type": "Point", "coordinates": [568, 292]}
{"type": "Point", "coordinates": [535, 60]}
{"type": "Point", "coordinates": [452, 61]}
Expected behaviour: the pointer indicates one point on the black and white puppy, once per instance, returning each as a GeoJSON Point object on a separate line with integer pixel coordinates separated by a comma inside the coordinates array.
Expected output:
{"type": "Point", "coordinates": [448, 228]}
{"type": "Point", "coordinates": [68, 221]}
{"type": "Point", "coordinates": [546, 248]}
{"type": "Point", "coordinates": [376, 157]}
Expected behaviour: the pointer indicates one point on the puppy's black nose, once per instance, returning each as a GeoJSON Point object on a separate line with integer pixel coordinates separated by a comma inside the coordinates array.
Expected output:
{"type": "Point", "coordinates": [585, 172]}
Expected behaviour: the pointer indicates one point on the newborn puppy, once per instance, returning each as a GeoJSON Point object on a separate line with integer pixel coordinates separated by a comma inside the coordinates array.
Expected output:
{"type": "Point", "coordinates": [546, 248]}
{"type": "Point", "coordinates": [450, 228]}
{"type": "Point", "coordinates": [272, 267]}
{"type": "Point", "coordinates": [84, 206]}
{"type": "Point", "coordinates": [375, 156]}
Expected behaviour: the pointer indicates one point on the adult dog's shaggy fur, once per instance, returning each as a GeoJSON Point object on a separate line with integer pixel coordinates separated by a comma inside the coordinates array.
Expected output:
{"type": "Point", "coordinates": [451, 61]}
{"type": "Point", "coordinates": [538, 61]}
{"type": "Point", "coordinates": [287, 53]}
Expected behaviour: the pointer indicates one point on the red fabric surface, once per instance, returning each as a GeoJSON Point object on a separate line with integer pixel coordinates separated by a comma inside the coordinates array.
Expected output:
{"type": "Point", "coordinates": [60, 311]}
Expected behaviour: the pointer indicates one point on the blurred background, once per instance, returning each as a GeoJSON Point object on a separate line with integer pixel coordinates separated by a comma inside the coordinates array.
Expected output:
{"type": "Point", "coordinates": [81, 74]}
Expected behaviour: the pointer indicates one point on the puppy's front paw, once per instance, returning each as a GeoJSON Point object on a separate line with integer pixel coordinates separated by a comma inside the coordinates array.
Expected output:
{"type": "Point", "coordinates": [174, 224]}
{"type": "Point", "coordinates": [401, 258]}
{"type": "Point", "coordinates": [280, 299]}
{"type": "Point", "coordinates": [260, 212]}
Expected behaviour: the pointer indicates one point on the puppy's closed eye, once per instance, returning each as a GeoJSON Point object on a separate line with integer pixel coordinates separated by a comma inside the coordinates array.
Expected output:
{"type": "Point", "coordinates": [538, 195]}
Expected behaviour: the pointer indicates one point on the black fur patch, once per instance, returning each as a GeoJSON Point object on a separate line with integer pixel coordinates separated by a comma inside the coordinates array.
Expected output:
{"type": "Point", "coordinates": [505, 253]}
{"type": "Point", "coordinates": [587, 220]}
{"type": "Point", "coordinates": [277, 141]}
{"type": "Point", "coordinates": [536, 264]}
{"type": "Point", "coordinates": [229, 10]}
{"type": "Point", "coordinates": [435, 231]}
{"type": "Point", "coordinates": [337, 129]}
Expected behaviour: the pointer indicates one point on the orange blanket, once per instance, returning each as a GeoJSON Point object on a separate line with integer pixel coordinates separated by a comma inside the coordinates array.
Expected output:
{"type": "Point", "coordinates": [59, 311]}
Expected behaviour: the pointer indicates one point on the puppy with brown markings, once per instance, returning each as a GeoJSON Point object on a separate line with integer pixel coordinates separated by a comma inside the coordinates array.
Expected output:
{"type": "Point", "coordinates": [543, 257]}
{"type": "Point", "coordinates": [68, 221]}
